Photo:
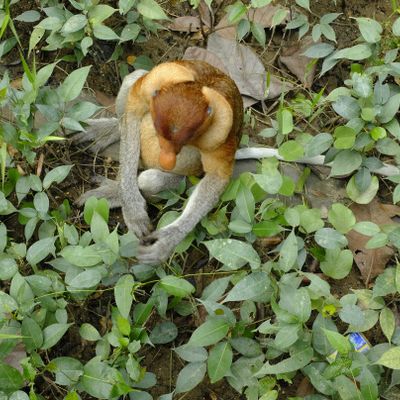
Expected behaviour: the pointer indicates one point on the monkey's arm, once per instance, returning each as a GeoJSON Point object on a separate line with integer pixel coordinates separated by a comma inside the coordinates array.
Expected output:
{"type": "Point", "coordinates": [218, 166]}
{"type": "Point", "coordinates": [133, 203]}
{"type": "Point", "coordinates": [159, 245]}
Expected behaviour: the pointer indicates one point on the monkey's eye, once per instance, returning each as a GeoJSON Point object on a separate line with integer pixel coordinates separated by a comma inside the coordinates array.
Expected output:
{"type": "Point", "coordinates": [173, 129]}
{"type": "Point", "coordinates": [155, 93]}
{"type": "Point", "coordinates": [209, 110]}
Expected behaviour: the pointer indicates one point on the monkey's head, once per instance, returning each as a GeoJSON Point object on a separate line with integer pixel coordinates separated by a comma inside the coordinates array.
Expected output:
{"type": "Point", "coordinates": [180, 114]}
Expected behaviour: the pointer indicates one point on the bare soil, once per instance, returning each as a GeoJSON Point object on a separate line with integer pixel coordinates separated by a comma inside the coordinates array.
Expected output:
{"type": "Point", "coordinates": [104, 77]}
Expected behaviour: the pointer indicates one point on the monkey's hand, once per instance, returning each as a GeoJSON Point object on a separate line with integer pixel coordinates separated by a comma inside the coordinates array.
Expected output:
{"type": "Point", "coordinates": [159, 245]}
{"type": "Point", "coordinates": [136, 218]}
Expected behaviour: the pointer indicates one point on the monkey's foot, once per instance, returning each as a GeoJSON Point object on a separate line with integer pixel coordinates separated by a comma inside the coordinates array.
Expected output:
{"type": "Point", "coordinates": [108, 190]}
{"type": "Point", "coordinates": [103, 132]}
{"type": "Point", "coordinates": [158, 246]}
{"type": "Point", "coordinates": [137, 220]}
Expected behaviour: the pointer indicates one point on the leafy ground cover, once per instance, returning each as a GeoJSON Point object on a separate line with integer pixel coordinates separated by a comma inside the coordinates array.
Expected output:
{"type": "Point", "coordinates": [288, 289]}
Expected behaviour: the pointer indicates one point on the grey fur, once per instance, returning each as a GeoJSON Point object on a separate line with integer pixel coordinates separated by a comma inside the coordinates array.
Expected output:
{"type": "Point", "coordinates": [158, 245]}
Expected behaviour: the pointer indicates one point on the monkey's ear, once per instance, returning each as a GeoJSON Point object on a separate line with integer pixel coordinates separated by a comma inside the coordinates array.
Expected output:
{"type": "Point", "coordinates": [155, 93]}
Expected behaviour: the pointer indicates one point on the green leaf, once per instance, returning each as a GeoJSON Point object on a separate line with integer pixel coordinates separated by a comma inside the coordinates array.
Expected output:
{"type": "Point", "coordinates": [150, 9]}
{"type": "Point", "coordinates": [68, 370]}
{"type": "Point", "coordinates": [40, 250]}
{"type": "Point", "coordinates": [390, 109]}
{"type": "Point", "coordinates": [291, 150]}
{"type": "Point", "coordinates": [319, 50]}
{"type": "Point", "coordinates": [366, 228]}
{"type": "Point", "coordinates": [296, 302]}
{"type": "Point", "coordinates": [341, 217]}
{"type": "Point", "coordinates": [279, 16]}
{"type": "Point", "coordinates": [258, 32]}
{"type": "Point", "coordinates": [345, 163]}
{"type": "Point", "coordinates": [98, 379]}
{"type": "Point", "coordinates": [310, 220]}
{"type": "Point", "coordinates": [288, 253]}
{"type": "Point", "coordinates": [10, 378]}
{"type": "Point", "coordinates": [396, 27]}
{"type": "Point", "coordinates": [100, 12]}
{"type": "Point", "coordinates": [250, 287]}
{"type": "Point", "coordinates": [260, 3]}
{"type": "Point", "coordinates": [318, 144]}
{"type": "Point", "coordinates": [345, 137]}
{"type": "Point", "coordinates": [234, 254]}
{"type": "Point", "coordinates": [219, 361]}
{"type": "Point", "coordinates": [57, 175]}
{"type": "Point", "coordinates": [175, 286]}
{"type": "Point", "coordinates": [191, 353]}
{"type": "Point", "coordinates": [285, 121]}
{"type": "Point", "coordinates": [396, 194]}
{"type": "Point", "coordinates": [387, 322]}
{"type": "Point", "coordinates": [163, 333]}
{"type": "Point", "coordinates": [28, 16]}
{"type": "Point", "coordinates": [32, 334]}
{"type": "Point", "coordinates": [190, 376]}
{"type": "Point", "coordinates": [123, 294]}
{"type": "Point", "coordinates": [362, 197]}
{"type": "Point", "coordinates": [103, 32]}
{"type": "Point", "coordinates": [74, 24]}
{"type": "Point", "coordinates": [81, 256]}
{"type": "Point", "coordinates": [41, 202]}
{"type": "Point", "coordinates": [89, 332]}
{"type": "Point", "coordinates": [245, 203]}
{"type": "Point", "coordinates": [338, 341]}
{"type": "Point", "coordinates": [337, 263]}
{"type": "Point", "coordinates": [355, 53]}
{"type": "Point", "coordinates": [210, 332]}
{"type": "Point", "coordinates": [86, 279]}
{"type": "Point", "coordinates": [52, 334]}
{"type": "Point", "coordinates": [347, 107]}
{"type": "Point", "coordinates": [378, 133]}
{"type": "Point", "coordinates": [236, 12]}
{"type": "Point", "coordinates": [390, 359]}
{"type": "Point", "coordinates": [329, 238]}
{"type": "Point", "coordinates": [304, 3]}
{"type": "Point", "coordinates": [299, 359]}
{"type": "Point", "coordinates": [370, 29]}
{"type": "Point", "coordinates": [72, 86]}
{"type": "Point", "coordinates": [99, 228]}
{"type": "Point", "coordinates": [362, 85]}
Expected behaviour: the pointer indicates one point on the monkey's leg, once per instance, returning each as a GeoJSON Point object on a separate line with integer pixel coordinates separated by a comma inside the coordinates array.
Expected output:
{"type": "Point", "coordinates": [153, 181]}
{"type": "Point", "coordinates": [108, 189]}
{"type": "Point", "coordinates": [159, 245]}
{"type": "Point", "coordinates": [103, 132]}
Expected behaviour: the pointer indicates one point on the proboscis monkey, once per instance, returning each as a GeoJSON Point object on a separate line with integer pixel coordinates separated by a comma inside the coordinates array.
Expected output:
{"type": "Point", "coordinates": [181, 118]}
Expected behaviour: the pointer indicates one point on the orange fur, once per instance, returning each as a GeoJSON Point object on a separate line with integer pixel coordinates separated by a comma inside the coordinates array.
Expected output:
{"type": "Point", "coordinates": [184, 106]}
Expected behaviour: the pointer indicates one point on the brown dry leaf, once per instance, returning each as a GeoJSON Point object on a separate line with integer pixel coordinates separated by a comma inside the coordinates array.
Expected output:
{"type": "Point", "coordinates": [264, 15]}
{"type": "Point", "coordinates": [225, 29]}
{"type": "Point", "coordinates": [205, 14]}
{"type": "Point", "coordinates": [185, 24]}
{"type": "Point", "coordinates": [371, 262]}
{"type": "Point", "coordinates": [299, 64]}
{"type": "Point", "coordinates": [105, 100]}
{"type": "Point", "coordinates": [245, 68]}
{"type": "Point", "coordinates": [198, 53]}
{"type": "Point", "coordinates": [305, 388]}
{"type": "Point", "coordinates": [15, 357]}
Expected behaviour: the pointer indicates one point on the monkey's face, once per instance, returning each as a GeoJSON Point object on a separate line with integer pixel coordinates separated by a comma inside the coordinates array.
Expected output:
{"type": "Point", "coordinates": [180, 114]}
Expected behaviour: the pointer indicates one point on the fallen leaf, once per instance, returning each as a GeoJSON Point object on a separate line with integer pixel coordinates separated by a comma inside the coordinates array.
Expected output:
{"type": "Point", "coordinates": [205, 14]}
{"type": "Point", "coordinates": [185, 24]}
{"type": "Point", "coordinates": [14, 358]}
{"type": "Point", "coordinates": [245, 68]}
{"type": "Point", "coordinates": [371, 262]}
{"type": "Point", "coordinates": [305, 388]}
{"type": "Point", "coordinates": [299, 64]}
{"type": "Point", "coordinates": [198, 53]}
{"type": "Point", "coordinates": [105, 100]}
{"type": "Point", "coordinates": [264, 15]}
